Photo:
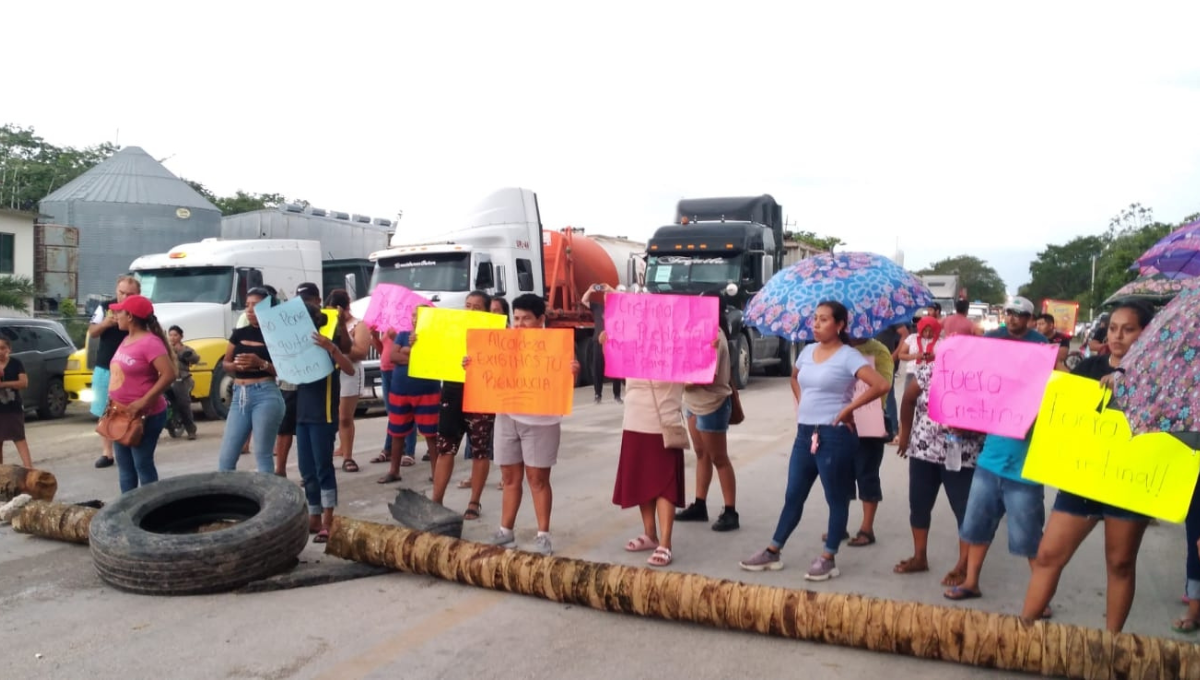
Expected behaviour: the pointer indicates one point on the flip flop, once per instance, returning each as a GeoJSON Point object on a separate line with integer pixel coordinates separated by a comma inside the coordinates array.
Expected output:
{"type": "Point", "coordinates": [473, 511]}
{"type": "Point", "coordinates": [953, 578]}
{"type": "Point", "coordinates": [958, 593]}
{"type": "Point", "coordinates": [388, 479]}
{"type": "Point", "coordinates": [407, 461]}
{"type": "Point", "coordinates": [464, 484]}
{"type": "Point", "coordinates": [641, 544]}
{"type": "Point", "coordinates": [349, 465]}
{"type": "Point", "coordinates": [1186, 626]}
{"type": "Point", "coordinates": [661, 557]}
{"type": "Point", "coordinates": [322, 536]}
{"type": "Point", "coordinates": [382, 458]}
{"type": "Point", "coordinates": [861, 539]}
{"type": "Point", "coordinates": [905, 567]}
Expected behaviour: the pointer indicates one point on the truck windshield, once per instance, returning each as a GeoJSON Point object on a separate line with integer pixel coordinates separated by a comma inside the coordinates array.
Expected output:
{"type": "Point", "coordinates": [685, 273]}
{"type": "Point", "coordinates": [440, 272]}
{"type": "Point", "coordinates": [188, 284]}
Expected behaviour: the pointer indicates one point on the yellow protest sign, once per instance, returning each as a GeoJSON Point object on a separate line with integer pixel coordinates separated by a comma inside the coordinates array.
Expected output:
{"type": "Point", "coordinates": [1079, 447]}
{"type": "Point", "coordinates": [331, 322]}
{"type": "Point", "coordinates": [442, 341]}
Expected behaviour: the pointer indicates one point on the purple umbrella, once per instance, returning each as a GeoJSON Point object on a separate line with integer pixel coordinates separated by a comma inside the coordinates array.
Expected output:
{"type": "Point", "coordinates": [1176, 255]}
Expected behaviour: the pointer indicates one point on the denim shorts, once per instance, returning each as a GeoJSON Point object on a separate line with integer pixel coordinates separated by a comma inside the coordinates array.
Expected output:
{"type": "Point", "coordinates": [717, 421]}
{"type": "Point", "coordinates": [1085, 507]}
{"type": "Point", "coordinates": [991, 498]}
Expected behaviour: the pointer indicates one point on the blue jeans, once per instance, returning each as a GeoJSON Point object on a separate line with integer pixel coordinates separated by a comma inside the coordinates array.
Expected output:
{"type": "Point", "coordinates": [833, 463]}
{"type": "Point", "coordinates": [258, 408]}
{"type": "Point", "coordinates": [135, 464]}
{"type": "Point", "coordinates": [314, 455]}
{"type": "Point", "coordinates": [991, 498]}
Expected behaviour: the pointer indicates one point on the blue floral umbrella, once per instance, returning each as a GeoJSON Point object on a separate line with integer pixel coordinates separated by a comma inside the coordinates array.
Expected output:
{"type": "Point", "coordinates": [877, 292]}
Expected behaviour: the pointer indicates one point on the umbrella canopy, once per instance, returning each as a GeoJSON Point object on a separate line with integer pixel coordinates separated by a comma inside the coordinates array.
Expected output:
{"type": "Point", "coordinates": [1159, 389]}
{"type": "Point", "coordinates": [1156, 288]}
{"type": "Point", "coordinates": [876, 291]}
{"type": "Point", "coordinates": [1176, 255]}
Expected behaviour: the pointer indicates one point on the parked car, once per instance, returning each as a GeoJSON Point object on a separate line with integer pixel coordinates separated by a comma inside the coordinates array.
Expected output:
{"type": "Point", "coordinates": [42, 346]}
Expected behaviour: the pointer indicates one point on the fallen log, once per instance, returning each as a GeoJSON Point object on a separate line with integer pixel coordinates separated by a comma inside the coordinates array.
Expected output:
{"type": "Point", "coordinates": [57, 521]}
{"type": "Point", "coordinates": [964, 636]}
{"type": "Point", "coordinates": [16, 480]}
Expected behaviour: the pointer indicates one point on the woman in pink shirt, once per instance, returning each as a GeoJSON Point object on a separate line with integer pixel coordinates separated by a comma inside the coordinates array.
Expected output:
{"type": "Point", "coordinates": [141, 370]}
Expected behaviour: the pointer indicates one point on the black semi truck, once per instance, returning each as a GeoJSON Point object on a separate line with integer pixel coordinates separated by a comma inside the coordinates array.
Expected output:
{"type": "Point", "coordinates": [726, 248]}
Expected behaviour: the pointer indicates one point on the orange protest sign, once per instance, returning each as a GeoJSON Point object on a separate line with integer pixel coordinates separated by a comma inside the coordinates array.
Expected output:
{"type": "Point", "coordinates": [522, 371]}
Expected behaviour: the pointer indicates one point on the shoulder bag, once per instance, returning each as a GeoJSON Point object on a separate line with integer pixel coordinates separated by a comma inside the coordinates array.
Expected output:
{"type": "Point", "coordinates": [120, 425]}
{"type": "Point", "coordinates": [736, 415]}
{"type": "Point", "coordinates": [674, 435]}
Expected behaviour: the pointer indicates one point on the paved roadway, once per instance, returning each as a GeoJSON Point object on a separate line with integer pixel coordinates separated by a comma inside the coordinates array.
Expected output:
{"type": "Point", "coordinates": [399, 626]}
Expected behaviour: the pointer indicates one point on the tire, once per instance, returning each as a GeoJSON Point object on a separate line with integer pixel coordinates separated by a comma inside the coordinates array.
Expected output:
{"type": "Point", "coordinates": [787, 359]}
{"type": "Point", "coordinates": [56, 401]}
{"type": "Point", "coordinates": [145, 541]}
{"type": "Point", "coordinates": [583, 354]}
{"type": "Point", "coordinates": [220, 394]}
{"type": "Point", "coordinates": [739, 361]}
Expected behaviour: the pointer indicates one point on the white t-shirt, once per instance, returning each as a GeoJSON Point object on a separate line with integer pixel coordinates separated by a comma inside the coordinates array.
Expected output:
{"type": "Point", "coordinates": [910, 347]}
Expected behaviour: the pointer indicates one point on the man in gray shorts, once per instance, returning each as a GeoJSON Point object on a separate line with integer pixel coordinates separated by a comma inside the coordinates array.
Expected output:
{"type": "Point", "coordinates": [527, 446]}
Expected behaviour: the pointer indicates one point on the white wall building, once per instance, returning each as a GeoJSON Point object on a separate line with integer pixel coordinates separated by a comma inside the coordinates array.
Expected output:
{"type": "Point", "coordinates": [16, 250]}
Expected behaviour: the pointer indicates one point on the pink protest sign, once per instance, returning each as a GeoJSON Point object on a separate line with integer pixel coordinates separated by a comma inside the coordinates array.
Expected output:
{"type": "Point", "coordinates": [660, 337]}
{"type": "Point", "coordinates": [988, 384]}
{"type": "Point", "coordinates": [391, 308]}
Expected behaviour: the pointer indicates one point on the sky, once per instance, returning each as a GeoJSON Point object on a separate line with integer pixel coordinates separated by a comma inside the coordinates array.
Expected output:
{"type": "Point", "coordinates": [943, 128]}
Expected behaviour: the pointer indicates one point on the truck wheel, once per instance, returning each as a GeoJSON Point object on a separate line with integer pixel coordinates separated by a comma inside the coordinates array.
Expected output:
{"type": "Point", "coordinates": [201, 533]}
{"type": "Point", "coordinates": [56, 401]}
{"type": "Point", "coordinates": [220, 395]}
{"type": "Point", "coordinates": [739, 361]}
{"type": "Point", "coordinates": [787, 359]}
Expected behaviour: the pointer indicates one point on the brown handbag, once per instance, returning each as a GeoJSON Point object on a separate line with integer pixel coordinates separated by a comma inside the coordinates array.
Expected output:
{"type": "Point", "coordinates": [736, 415]}
{"type": "Point", "coordinates": [120, 425]}
{"type": "Point", "coordinates": [675, 435]}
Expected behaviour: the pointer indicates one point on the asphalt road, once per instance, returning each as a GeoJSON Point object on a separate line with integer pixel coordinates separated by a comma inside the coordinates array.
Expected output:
{"type": "Point", "coordinates": [60, 621]}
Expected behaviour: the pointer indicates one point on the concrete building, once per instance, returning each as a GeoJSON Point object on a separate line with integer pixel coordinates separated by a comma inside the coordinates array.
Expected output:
{"type": "Point", "coordinates": [127, 206]}
{"type": "Point", "coordinates": [16, 250]}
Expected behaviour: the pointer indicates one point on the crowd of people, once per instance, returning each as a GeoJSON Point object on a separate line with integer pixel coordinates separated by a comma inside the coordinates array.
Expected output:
{"type": "Point", "coordinates": [834, 380]}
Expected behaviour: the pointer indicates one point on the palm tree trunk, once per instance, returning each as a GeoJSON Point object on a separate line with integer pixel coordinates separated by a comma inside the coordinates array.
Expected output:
{"type": "Point", "coordinates": [16, 480]}
{"type": "Point", "coordinates": [964, 636]}
{"type": "Point", "coordinates": [58, 521]}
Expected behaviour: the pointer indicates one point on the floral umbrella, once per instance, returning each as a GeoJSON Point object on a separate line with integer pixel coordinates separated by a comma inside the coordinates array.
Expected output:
{"type": "Point", "coordinates": [1152, 287]}
{"type": "Point", "coordinates": [1176, 255]}
{"type": "Point", "coordinates": [876, 291]}
{"type": "Point", "coordinates": [1159, 386]}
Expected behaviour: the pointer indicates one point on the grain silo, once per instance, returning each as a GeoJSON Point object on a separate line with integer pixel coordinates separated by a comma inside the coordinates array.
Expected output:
{"type": "Point", "coordinates": [128, 206]}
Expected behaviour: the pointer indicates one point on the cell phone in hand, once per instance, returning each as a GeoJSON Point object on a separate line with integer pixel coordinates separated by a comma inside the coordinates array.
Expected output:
{"type": "Point", "coordinates": [598, 286]}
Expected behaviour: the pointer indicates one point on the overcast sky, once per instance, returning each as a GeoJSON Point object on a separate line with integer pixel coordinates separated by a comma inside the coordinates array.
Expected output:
{"type": "Point", "coordinates": [947, 127]}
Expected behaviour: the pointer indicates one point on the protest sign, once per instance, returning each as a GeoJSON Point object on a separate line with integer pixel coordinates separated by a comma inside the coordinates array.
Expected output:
{"type": "Point", "coordinates": [331, 322]}
{"type": "Point", "coordinates": [660, 337]}
{"type": "Point", "coordinates": [441, 341]}
{"type": "Point", "coordinates": [988, 384]}
{"type": "Point", "coordinates": [869, 419]}
{"type": "Point", "coordinates": [525, 371]}
{"type": "Point", "coordinates": [287, 329]}
{"type": "Point", "coordinates": [391, 308]}
{"type": "Point", "coordinates": [1085, 449]}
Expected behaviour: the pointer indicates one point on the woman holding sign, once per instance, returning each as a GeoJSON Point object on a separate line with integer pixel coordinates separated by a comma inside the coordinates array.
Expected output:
{"type": "Point", "coordinates": [257, 406]}
{"type": "Point", "coordinates": [823, 383]}
{"type": "Point", "coordinates": [1074, 517]}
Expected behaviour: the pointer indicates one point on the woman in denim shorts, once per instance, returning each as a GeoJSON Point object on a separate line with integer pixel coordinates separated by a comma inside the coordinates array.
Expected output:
{"type": "Point", "coordinates": [707, 409]}
{"type": "Point", "coordinates": [823, 383]}
{"type": "Point", "coordinates": [1074, 517]}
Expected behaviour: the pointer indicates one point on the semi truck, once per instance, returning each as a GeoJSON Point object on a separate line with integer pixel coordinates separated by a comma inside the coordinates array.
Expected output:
{"type": "Point", "coordinates": [504, 251]}
{"type": "Point", "coordinates": [945, 289]}
{"type": "Point", "coordinates": [726, 248]}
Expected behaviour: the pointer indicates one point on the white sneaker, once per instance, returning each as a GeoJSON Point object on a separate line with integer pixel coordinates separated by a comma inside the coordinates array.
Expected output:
{"type": "Point", "coordinates": [504, 539]}
{"type": "Point", "coordinates": [541, 545]}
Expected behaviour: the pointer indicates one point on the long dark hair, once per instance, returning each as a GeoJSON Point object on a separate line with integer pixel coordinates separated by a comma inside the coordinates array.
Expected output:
{"type": "Point", "coordinates": [840, 315]}
{"type": "Point", "coordinates": [1143, 311]}
{"type": "Point", "coordinates": [151, 325]}
{"type": "Point", "coordinates": [338, 298]}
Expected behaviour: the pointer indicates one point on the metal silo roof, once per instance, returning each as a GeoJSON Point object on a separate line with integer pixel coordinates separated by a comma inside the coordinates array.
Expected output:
{"type": "Point", "coordinates": [130, 176]}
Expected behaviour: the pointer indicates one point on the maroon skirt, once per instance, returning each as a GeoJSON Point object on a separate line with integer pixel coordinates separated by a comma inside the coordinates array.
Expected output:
{"type": "Point", "coordinates": [647, 471]}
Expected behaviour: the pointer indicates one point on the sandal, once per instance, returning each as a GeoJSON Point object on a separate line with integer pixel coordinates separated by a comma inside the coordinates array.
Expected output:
{"type": "Point", "coordinates": [958, 593]}
{"type": "Point", "coordinates": [660, 558]}
{"type": "Point", "coordinates": [1185, 625]}
{"type": "Point", "coordinates": [389, 478]}
{"type": "Point", "coordinates": [953, 578]}
{"type": "Point", "coordinates": [641, 544]}
{"type": "Point", "coordinates": [861, 539]}
{"type": "Point", "coordinates": [472, 512]}
{"type": "Point", "coordinates": [383, 457]}
{"type": "Point", "coordinates": [349, 465]}
{"type": "Point", "coordinates": [407, 461]}
{"type": "Point", "coordinates": [911, 566]}
{"type": "Point", "coordinates": [322, 536]}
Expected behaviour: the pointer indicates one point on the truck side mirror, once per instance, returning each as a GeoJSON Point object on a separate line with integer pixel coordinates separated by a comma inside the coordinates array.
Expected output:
{"type": "Point", "coordinates": [500, 272]}
{"type": "Point", "coordinates": [768, 267]}
{"type": "Point", "coordinates": [352, 286]}
{"type": "Point", "coordinates": [483, 276]}
{"type": "Point", "coordinates": [247, 279]}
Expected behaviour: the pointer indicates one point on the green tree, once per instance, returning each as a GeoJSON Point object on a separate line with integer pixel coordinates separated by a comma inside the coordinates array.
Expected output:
{"type": "Point", "coordinates": [977, 276]}
{"type": "Point", "coordinates": [1064, 272]}
{"type": "Point", "coordinates": [15, 292]}
{"type": "Point", "coordinates": [1130, 233]}
{"type": "Point", "coordinates": [31, 167]}
{"type": "Point", "coordinates": [823, 243]}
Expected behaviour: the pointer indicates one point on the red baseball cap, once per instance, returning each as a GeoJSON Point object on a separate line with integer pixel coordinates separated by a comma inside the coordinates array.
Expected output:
{"type": "Point", "coordinates": [136, 305]}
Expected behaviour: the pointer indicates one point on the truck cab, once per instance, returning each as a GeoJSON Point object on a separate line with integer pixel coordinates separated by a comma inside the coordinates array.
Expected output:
{"type": "Point", "coordinates": [727, 248]}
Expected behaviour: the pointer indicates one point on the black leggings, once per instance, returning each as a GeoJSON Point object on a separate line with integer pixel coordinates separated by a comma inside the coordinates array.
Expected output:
{"type": "Point", "coordinates": [598, 373]}
{"type": "Point", "coordinates": [924, 480]}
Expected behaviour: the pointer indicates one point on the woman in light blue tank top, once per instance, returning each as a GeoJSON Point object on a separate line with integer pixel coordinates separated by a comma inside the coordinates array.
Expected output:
{"type": "Point", "coordinates": [823, 382]}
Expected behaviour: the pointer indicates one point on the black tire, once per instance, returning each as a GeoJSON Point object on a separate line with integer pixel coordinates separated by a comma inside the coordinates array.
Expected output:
{"type": "Point", "coordinates": [56, 401]}
{"type": "Point", "coordinates": [220, 394]}
{"type": "Point", "coordinates": [739, 361]}
{"type": "Point", "coordinates": [144, 542]}
{"type": "Point", "coordinates": [787, 359]}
